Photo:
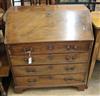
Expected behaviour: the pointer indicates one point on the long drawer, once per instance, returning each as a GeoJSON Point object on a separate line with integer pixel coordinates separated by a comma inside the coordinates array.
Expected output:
{"type": "Point", "coordinates": [49, 69]}
{"type": "Point", "coordinates": [53, 47]}
{"type": "Point", "coordinates": [50, 80]}
{"type": "Point", "coordinates": [50, 59]}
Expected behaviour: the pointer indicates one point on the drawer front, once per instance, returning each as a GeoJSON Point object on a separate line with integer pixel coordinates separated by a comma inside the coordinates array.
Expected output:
{"type": "Point", "coordinates": [50, 59]}
{"type": "Point", "coordinates": [50, 80]}
{"type": "Point", "coordinates": [49, 69]}
{"type": "Point", "coordinates": [39, 48]}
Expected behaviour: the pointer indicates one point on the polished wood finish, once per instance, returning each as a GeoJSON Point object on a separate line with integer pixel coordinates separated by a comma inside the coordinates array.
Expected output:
{"type": "Point", "coordinates": [50, 80]}
{"type": "Point", "coordinates": [53, 49]}
{"type": "Point", "coordinates": [49, 69]}
{"type": "Point", "coordinates": [51, 59]}
{"type": "Point", "coordinates": [48, 24]}
{"type": "Point", "coordinates": [96, 52]}
{"type": "Point", "coordinates": [49, 47]}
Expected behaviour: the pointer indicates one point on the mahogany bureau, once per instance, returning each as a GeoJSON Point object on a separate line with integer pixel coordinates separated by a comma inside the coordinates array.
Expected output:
{"type": "Point", "coordinates": [49, 46]}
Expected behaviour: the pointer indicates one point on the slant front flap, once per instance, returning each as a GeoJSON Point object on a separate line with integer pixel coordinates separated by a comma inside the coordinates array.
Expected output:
{"type": "Point", "coordinates": [48, 23]}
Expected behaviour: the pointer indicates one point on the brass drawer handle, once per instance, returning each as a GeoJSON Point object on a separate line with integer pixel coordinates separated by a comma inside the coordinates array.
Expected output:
{"type": "Point", "coordinates": [66, 79]}
{"type": "Point", "coordinates": [70, 79]}
{"type": "Point", "coordinates": [50, 47]}
{"type": "Point", "coordinates": [32, 81]}
{"type": "Point", "coordinates": [30, 70]}
{"type": "Point", "coordinates": [75, 47]}
{"type": "Point", "coordinates": [70, 69]}
{"type": "Point", "coordinates": [70, 58]}
{"type": "Point", "coordinates": [71, 47]}
{"type": "Point", "coordinates": [68, 47]}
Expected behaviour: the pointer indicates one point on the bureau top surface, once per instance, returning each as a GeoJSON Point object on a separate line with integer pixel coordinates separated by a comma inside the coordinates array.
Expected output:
{"type": "Point", "coordinates": [96, 18]}
{"type": "Point", "coordinates": [48, 24]}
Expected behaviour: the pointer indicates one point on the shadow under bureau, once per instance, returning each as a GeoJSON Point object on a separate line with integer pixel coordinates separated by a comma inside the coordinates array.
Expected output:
{"type": "Point", "coordinates": [49, 46]}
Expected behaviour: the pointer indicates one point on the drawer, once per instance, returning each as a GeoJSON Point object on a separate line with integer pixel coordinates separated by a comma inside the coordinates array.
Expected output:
{"type": "Point", "coordinates": [50, 59]}
{"type": "Point", "coordinates": [49, 69]}
{"type": "Point", "coordinates": [50, 80]}
{"type": "Point", "coordinates": [39, 48]}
